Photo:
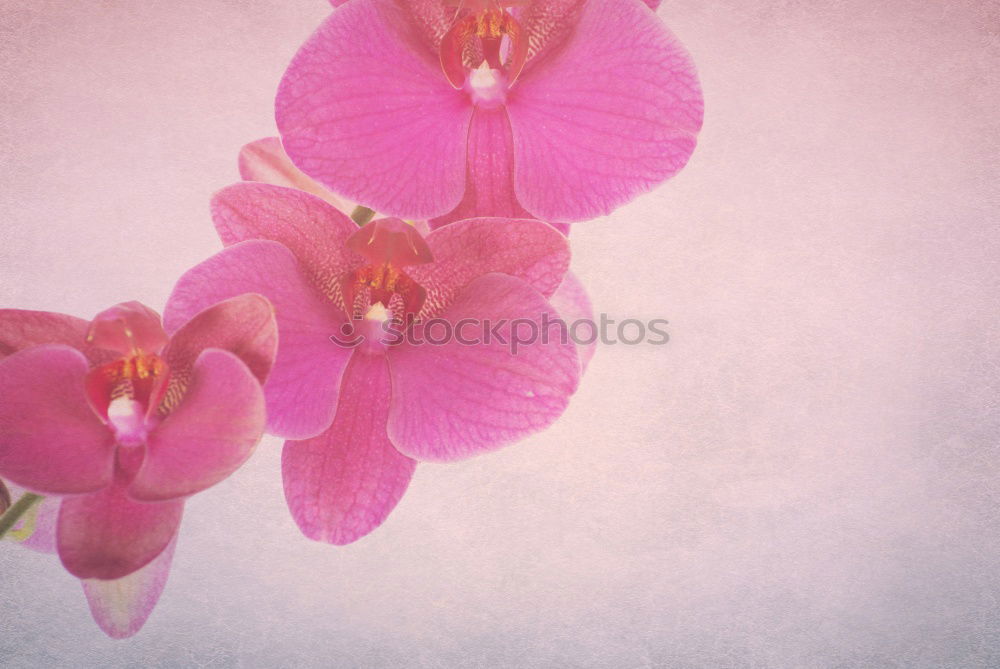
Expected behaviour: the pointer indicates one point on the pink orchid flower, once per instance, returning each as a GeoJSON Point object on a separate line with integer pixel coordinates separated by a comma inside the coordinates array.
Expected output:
{"type": "Point", "coordinates": [265, 161]}
{"type": "Point", "coordinates": [359, 417]}
{"type": "Point", "coordinates": [124, 423]}
{"type": "Point", "coordinates": [120, 606]}
{"type": "Point", "coordinates": [560, 110]}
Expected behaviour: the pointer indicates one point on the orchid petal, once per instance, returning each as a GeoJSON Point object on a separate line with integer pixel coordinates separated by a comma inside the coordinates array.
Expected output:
{"type": "Point", "coordinates": [364, 113]}
{"type": "Point", "coordinates": [311, 229]}
{"type": "Point", "coordinates": [527, 249]}
{"type": "Point", "coordinates": [208, 436]}
{"type": "Point", "coordinates": [21, 328]}
{"type": "Point", "coordinates": [454, 400]}
{"type": "Point", "coordinates": [344, 483]}
{"type": "Point", "coordinates": [428, 21]}
{"type": "Point", "coordinates": [243, 325]}
{"type": "Point", "coordinates": [121, 607]}
{"type": "Point", "coordinates": [600, 121]}
{"type": "Point", "coordinates": [106, 535]}
{"type": "Point", "coordinates": [301, 390]}
{"type": "Point", "coordinates": [266, 161]}
{"type": "Point", "coordinates": [51, 441]}
{"type": "Point", "coordinates": [573, 304]}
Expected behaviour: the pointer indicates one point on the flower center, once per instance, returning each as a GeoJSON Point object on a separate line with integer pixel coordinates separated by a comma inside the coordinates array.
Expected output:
{"type": "Point", "coordinates": [483, 34]}
{"type": "Point", "coordinates": [388, 245]}
{"type": "Point", "coordinates": [123, 391]}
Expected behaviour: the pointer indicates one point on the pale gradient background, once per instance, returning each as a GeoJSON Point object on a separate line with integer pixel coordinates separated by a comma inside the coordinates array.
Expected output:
{"type": "Point", "coordinates": [806, 476]}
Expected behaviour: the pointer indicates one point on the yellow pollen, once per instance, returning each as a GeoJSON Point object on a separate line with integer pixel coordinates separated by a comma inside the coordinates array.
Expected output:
{"type": "Point", "coordinates": [383, 277]}
{"type": "Point", "coordinates": [122, 373]}
{"type": "Point", "coordinates": [490, 23]}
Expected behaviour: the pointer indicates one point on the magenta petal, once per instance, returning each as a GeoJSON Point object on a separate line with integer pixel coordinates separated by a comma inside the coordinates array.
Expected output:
{"type": "Point", "coordinates": [607, 117]}
{"type": "Point", "coordinates": [51, 441]}
{"type": "Point", "coordinates": [311, 229]}
{"type": "Point", "coordinates": [266, 161]}
{"type": "Point", "coordinates": [106, 535]}
{"type": "Point", "coordinates": [489, 189]}
{"type": "Point", "coordinates": [365, 113]}
{"type": "Point", "coordinates": [573, 304]}
{"type": "Point", "coordinates": [342, 484]}
{"type": "Point", "coordinates": [243, 325]}
{"type": "Point", "coordinates": [653, 4]}
{"type": "Point", "coordinates": [527, 249]}
{"type": "Point", "coordinates": [208, 436]}
{"type": "Point", "coordinates": [301, 391]}
{"type": "Point", "coordinates": [455, 400]}
{"type": "Point", "coordinates": [122, 606]}
{"type": "Point", "coordinates": [20, 328]}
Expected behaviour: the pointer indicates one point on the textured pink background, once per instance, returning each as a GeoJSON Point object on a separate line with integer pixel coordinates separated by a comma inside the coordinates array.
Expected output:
{"type": "Point", "coordinates": [807, 475]}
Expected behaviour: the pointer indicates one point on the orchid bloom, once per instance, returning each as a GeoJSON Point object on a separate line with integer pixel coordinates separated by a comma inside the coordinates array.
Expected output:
{"type": "Point", "coordinates": [265, 161]}
{"type": "Point", "coordinates": [358, 417]}
{"type": "Point", "coordinates": [124, 423]}
{"type": "Point", "coordinates": [560, 110]}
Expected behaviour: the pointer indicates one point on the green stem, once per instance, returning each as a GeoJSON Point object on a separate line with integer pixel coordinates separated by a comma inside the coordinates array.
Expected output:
{"type": "Point", "coordinates": [362, 215]}
{"type": "Point", "coordinates": [22, 506]}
